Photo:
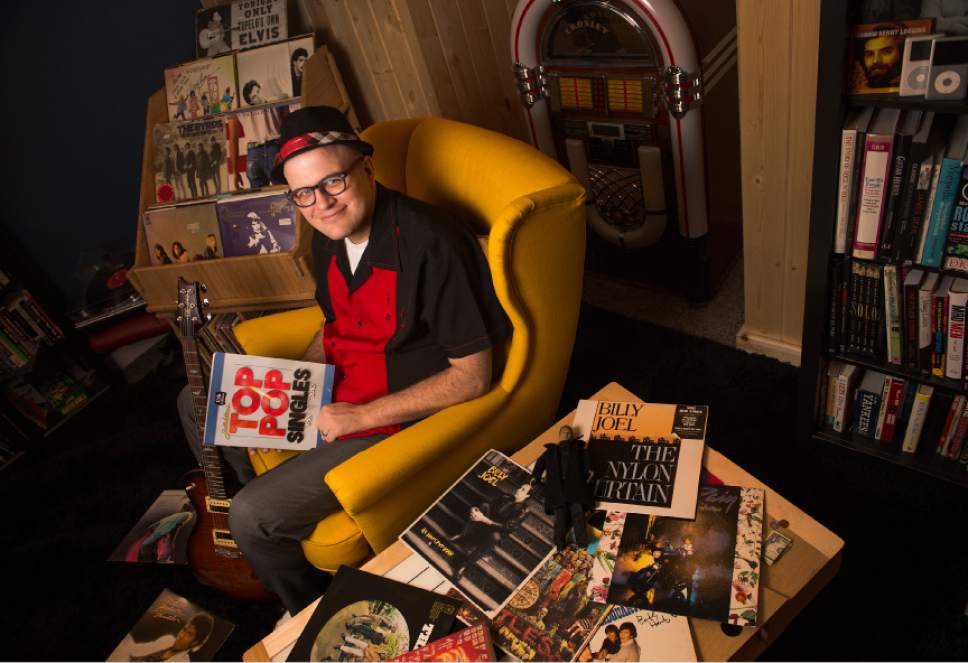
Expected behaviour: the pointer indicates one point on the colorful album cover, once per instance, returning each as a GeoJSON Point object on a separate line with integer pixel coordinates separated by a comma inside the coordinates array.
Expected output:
{"type": "Point", "coordinates": [707, 568]}
{"type": "Point", "coordinates": [646, 457]}
{"type": "Point", "coordinates": [364, 617]}
{"type": "Point", "coordinates": [629, 634]}
{"type": "Point", "coordinates": [550, 616]}
{"type": "Point", "coordinates": [469, 644]}
{"type": "Point", "coordinates": [875, 54]}
{"type": "Point", "coordinates": [487, 533]}
{"type": "Point", "coordinates": [182, 233]}
{"type": "Point", "coordinates": [606, 536]}
{"type": "Point", "coordinates": [201, 87]}
{"type": "Point", "coordinates": [173, 629]}
{"type": "Point", "coordinates": [161, 535]}
{"type": "Point", "coordinates": [241, 25]}
{"type": "Point", "coordinates": [266, 402]}
{"type": "Point", "coordinates": [256, 130]}
{"type": "Point", "coordinates": [273, 73]}
{"type": "Point", "coordinates": [190, 160]}
{"type": "Point", "coordinates": [256, 223]}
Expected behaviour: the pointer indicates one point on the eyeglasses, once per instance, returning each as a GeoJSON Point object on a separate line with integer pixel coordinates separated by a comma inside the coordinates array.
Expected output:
{"type": "Point", "coordinates": [331, 185]}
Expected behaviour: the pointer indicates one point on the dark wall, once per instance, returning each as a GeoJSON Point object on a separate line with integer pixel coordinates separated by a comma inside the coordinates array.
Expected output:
{"type": "Point", "coordinates": [76, 80]}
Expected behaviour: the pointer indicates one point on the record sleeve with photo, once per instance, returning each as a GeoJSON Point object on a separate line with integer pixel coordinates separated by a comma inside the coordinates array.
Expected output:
{"type": "Point", "coordinates": [365, 617]}
{"type": "Point", "coordinates": [253, 141]}
{"type": "Point", "coordinates": [875, 54]}
{"type": "Point", "coordinates": [707, 568]}
{"type": "Point", "coordinates": [272, 73]}
{"type": "Point", "coordinates": [550, 617]}
{"type": "Point", "coordinates": [646, 457]}
{"type": "Point", "coordinates": [190, 160]}
{"type": "Point", "coordinates": [257, 223]}
{"type": "Point", "coordinates": [629, 634]}
{"type": "Point", "coordinates": [487, 533]}
{"type": "Point", "coordinates": [470, 644]}
{"type": "Point", "coordinates": [202, 87]}
{"type": "Point", "coordinates": [161, 535]}
{"type": "Point", "coordinates": [182, 233]}
{"type": "Point", "coordinates": [213, 31]}
{"type": "Point", "coordinates": [173, 629]}
{"type": "Point", "coordinates": [241, 25]}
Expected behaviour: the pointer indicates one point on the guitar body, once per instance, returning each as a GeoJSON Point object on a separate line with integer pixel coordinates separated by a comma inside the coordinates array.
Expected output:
{"type": "Point", "coordinates": [219, 568]}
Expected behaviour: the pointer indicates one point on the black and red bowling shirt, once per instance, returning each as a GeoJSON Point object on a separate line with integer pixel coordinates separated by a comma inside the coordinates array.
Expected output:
{"type": "Point", "coordinates": [421, 294]}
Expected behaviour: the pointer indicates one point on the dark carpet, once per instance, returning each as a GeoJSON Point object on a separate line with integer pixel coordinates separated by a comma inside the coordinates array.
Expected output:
{"type": "Point", "coordinates": [900, 594]}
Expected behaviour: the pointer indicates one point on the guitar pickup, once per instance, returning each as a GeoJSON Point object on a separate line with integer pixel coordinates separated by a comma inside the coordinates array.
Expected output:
{"type": "Point", "coordinates": [217, 506]}
{"type": "Point", "coordinates": [222, 537]}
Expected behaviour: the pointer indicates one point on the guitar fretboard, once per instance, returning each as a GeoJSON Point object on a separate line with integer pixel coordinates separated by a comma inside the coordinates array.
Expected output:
{"type": "Point", "coordinates": [211, 460]}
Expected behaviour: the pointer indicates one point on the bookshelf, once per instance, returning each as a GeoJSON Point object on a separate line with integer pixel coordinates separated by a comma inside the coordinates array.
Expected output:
{"type": "Point", "coordinates": [832, 107]}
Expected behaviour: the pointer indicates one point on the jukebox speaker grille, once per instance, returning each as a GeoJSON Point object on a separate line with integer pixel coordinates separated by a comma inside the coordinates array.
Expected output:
{"type": "Point", "coordinates": [617, 194]}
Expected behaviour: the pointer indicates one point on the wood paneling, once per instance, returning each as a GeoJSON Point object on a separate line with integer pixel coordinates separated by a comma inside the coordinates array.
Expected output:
{"type": "Point", "coordinates": [418, 58]}
{"type": "Point", "coordinates": [778, 82]}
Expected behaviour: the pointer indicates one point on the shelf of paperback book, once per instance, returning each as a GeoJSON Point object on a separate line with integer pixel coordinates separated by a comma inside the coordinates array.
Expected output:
{"type": "Point", "coordinates": [924, 460]}
{"type": "Point", "coordinates": [907, 103]}
{"type": "Point", "coordinates": [899, 372]}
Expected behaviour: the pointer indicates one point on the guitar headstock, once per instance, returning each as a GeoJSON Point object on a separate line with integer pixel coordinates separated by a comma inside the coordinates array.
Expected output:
{"type": "Point", "coordinates": [191, 307]}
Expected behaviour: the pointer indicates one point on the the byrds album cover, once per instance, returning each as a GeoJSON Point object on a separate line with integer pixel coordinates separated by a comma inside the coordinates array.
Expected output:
{"type": "Point", "coordinates": [550, 617]}
{"type": "Point", "coordinates": [182, 233]}
{"type": "Point", "coordinates": [257, 223]}
{"type": "Point", "coordinates": [628, 634]}
{"type": "Point", "coordinates": [240, 25]}
{"type": "Point", "coordinates": [173, 629]}
{"type": "Point", "coordinates": [272, 73]}
{"type": "Point", "coordinates": [875, 54]}
{"type": "Point", "coordinates": [469, 644]}
{"type": "Point", "coordinates": [646, 457]}
{"type": "Point", "coordinates": [161, 535]}
{"type": "Point", "coordinates": [201, 87]}
{"type": "Point", "coordinates": [487, 533]}
{"type": "Point", "coordinates": [364, 617]}
{"type": "Point", "coordinates": [707, 568]}
{"type": "Point", "coordinates": [190, 160]}
{"type": "Point", "coordinates": [265, 402]}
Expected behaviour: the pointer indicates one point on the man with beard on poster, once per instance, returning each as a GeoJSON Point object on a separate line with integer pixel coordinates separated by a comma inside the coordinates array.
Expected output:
{"type": "Point", "coordinates": [880, 60]}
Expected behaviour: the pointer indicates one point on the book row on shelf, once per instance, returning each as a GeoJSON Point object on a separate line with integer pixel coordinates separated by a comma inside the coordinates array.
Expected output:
{"type": "Point", "coordinates": [899, 414]}
{"type": "Point", "coordinates": [24, 328]}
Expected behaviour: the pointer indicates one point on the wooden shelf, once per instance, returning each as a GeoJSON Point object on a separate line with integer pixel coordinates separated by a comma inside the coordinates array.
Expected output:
{"type": "Point", "coordinates": [924, 460]}
{"type": "Point", "coordinates": [907, 103]}
{"type": "Point", "coordinates": [900, 372]}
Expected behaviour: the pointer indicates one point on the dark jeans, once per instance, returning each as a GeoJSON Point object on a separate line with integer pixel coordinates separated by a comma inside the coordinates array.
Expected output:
{"type": "Point", "coordinates": [274, 512]}
{"type": "Point", "coordinates": [259, 161]}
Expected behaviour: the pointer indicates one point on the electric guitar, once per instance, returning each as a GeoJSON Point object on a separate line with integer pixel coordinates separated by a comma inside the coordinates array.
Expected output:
{"type": "Point", "coordinates": [212, 552]}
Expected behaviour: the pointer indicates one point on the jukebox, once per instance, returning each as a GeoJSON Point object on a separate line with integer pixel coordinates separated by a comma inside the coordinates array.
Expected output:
{"type": "Point", "coordinates": [617, 92]}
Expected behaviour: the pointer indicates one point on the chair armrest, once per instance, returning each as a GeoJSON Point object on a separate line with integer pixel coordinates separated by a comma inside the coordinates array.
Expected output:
{"type": "Point", "coordinates": [361, 481]}
{"type": "Point", "coordinates": [281, 335]}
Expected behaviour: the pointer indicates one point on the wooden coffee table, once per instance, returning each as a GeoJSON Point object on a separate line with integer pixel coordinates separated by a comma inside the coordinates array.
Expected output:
{"type": "Point", "coordinates": [785, 588]}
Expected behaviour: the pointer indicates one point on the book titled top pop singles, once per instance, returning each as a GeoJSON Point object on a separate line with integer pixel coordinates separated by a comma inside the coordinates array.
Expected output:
{"type": "Point", "coordinates": [266, 402]}
{"type": "Point", "coordinates": [645, 457]}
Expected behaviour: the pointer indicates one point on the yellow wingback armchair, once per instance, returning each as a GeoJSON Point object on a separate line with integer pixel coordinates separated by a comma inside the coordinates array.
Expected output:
{"type": "Point", "coordinates": [532, 213]}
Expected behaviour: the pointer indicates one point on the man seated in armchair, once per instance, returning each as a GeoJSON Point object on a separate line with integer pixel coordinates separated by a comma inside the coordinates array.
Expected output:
{"type": "Point", "coordinates": [410, 319]}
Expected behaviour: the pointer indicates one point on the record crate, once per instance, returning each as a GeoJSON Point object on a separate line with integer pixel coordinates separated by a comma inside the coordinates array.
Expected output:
{"type": "Point", "coordinates": [277, 280]}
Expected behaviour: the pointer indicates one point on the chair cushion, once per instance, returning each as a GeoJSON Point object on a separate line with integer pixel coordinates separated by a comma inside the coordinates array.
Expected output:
{"type": "Point", "coordinates": [336, 540]}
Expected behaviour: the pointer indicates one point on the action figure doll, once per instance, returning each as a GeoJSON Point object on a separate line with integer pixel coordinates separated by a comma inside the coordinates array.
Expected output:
{"type": "Point", "coordinates": [566, 491]}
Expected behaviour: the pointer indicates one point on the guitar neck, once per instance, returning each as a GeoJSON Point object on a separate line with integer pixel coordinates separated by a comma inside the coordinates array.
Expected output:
{"type": "Point", "coordinates": [211, 460]}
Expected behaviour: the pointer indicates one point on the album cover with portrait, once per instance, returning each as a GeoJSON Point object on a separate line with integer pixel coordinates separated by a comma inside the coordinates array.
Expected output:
{"type": "Point", "coordinates": [240, 25]}
{"type": "Point", "coordinates": [629, 634]}
{"type": "Point", "coordinates": [708, 567]}
{"type": "Point", "coordinates": [201, 87]}
{"type": "Point", "coordinates": [173, 629]}
{"type": "Point", "coordinates": [875, 54]}
{"type": "Point", "coordinates": [256, 223]}
{"type": "Point", "coordinates": [365, 617]}
{"type": "Point", "coordinates": [182, 233]}
{"type": "Point", "coordinates": [487, 533]}
{"type": "Point", "coordinates": [190, 159]}
{"type": "Point", "coordinates": [274, 72]}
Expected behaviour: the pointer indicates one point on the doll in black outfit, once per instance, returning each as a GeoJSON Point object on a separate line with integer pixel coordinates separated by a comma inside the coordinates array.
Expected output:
{"type": "Point", "coordinates": [565, 472]}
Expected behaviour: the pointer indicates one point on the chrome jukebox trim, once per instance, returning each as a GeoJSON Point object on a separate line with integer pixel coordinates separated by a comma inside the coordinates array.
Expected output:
{"type": "Point", "coordinates": [680, 91]}
{"type": "Point", "coordinates": [532, 84]}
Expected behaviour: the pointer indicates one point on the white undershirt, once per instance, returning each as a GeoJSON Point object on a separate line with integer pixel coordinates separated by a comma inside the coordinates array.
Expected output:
{"type": "Point", "coordinates": [354, 252]}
